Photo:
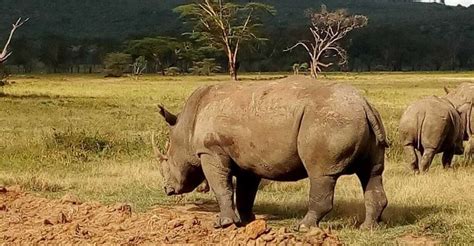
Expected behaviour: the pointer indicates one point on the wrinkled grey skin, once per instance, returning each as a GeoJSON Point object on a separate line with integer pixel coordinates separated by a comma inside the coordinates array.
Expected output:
{"type": "Point", "coordinates": [463, 94]}
{"type": "Point", "coordinates": [433, 125]}
{"type": "Point", "coordinates": [283, 131]}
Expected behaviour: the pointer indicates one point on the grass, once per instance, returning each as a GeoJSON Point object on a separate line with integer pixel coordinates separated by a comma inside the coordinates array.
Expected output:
{"type": "Point", "coordinates": [90, 136]}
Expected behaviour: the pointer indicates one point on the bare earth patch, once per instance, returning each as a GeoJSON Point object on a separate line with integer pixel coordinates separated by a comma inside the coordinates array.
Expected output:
{"type": "Point", "coordinates": [417, 240]}
{"type": "Point", "coordinates": [26, 218]}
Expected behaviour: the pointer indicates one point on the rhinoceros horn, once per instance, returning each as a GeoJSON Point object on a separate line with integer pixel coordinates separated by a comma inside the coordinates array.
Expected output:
{"type": "Point", "coordinates": [158, 155]}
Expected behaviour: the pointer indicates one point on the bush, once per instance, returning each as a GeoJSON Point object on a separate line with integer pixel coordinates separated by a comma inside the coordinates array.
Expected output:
{"type": "Point", "coordinates": [116, 64]}
{"type": "Point", "coordinates": [205, 67]}
{"type": "Point", "coordinates": [173, 71]}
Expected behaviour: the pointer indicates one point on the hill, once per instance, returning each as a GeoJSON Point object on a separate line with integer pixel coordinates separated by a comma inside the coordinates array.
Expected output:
{"type": "Point", "coordinates": [417, 35]}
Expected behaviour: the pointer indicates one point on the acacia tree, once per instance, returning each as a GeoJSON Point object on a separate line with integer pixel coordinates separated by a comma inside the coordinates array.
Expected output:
{"type": "Point", "coordinates": [225, 25]}
{"type": "Point", "coordinates": [328, 29]}
{"type": "Point", "coordinates": [5, 53]}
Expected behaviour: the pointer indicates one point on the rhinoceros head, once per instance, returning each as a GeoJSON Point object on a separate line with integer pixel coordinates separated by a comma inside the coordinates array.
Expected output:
{"type": "Point", "coordinates": [181, 170]}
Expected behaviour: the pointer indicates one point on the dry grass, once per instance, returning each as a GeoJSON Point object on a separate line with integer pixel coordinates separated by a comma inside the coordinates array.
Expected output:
{"type": "Point", "coordinates": [90, 136]}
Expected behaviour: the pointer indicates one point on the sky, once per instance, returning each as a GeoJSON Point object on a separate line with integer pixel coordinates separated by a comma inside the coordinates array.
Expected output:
{"type": "Point", "coordinates": [466, 3]}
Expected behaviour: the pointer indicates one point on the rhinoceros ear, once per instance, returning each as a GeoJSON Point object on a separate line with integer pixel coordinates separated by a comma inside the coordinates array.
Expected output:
{"type": "Point", "coordinates": [169, 117]}
{"type": "Point", "coordinates": [446, 90]}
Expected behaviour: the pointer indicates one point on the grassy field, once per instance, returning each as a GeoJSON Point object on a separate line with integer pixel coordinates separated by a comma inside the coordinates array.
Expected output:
{"type": "Point", "coordinates": [91, 136]}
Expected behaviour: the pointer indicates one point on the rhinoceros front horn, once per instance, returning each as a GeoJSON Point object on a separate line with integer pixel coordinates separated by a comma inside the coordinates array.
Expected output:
{"type": "Point", "coordinates": [169, 117]}
{"type": "Point", "coordinates": [158, 155]}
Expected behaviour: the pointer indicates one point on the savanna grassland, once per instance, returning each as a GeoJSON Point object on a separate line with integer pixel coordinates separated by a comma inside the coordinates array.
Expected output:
{"type": "Point", "coordinates": [90, 136]}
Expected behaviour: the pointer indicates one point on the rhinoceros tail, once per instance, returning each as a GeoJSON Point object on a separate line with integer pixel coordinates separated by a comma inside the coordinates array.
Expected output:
{"type": "Point", "coordinates": [375, 122]}
{"type": "Point", "coordinates": [419, 130]}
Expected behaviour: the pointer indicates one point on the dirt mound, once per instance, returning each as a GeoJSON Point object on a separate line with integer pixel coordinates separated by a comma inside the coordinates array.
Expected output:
{"type": "Point", "coordinates": [28, 218]}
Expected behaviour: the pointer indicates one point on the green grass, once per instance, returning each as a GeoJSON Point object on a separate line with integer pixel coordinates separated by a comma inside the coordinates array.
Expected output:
{"type": "Point", "coordinates": [91, 136]}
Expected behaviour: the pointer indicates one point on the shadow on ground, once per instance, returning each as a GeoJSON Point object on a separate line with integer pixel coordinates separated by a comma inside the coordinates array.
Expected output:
{"type": "Point", "coordinates": [352, 212]}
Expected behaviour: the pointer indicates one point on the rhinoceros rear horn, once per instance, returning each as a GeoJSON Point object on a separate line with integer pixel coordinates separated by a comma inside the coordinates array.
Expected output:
{"type": "Point", "coordinates": [159, 156]}
{"type": "Point", "coordinates": [169, 117]}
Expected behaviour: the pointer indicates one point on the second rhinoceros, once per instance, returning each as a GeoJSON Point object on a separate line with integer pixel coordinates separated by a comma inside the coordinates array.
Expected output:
{"type": "Point", "coordinates": [434, 125]}
{"type": "Point", "coordinates": [284, 131]}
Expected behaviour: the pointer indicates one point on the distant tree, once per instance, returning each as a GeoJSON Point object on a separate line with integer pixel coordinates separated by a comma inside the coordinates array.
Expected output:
{"type": "Point", "coordinates": [160, 51]}
{"type": "Point", "coordinates": [205, 67]}
{"type": "Point", "coordinates": [297, 68]}
{"type": "Point", "coordinates": [328, 29]}
{"type": "Point", "coordinates": [225, 25]}
{"type": "Point", "coordinates": [116, 64]}
{"type": "Point", "coordinates": [54, 52]}
{"type": "Point", "coordinates": [139, 66]}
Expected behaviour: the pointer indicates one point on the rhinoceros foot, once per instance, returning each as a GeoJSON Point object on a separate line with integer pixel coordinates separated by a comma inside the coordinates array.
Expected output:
{"type": "Point", "coordinates": [306, 224]}
{"type": "Point", "coordinates": [225, 221]}
{"type": "Point", "coordinates": [246, 218]}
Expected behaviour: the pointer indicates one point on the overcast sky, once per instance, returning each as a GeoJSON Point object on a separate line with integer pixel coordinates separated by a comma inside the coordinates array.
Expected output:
{"type": "Point", "coordinates": [466, 3]}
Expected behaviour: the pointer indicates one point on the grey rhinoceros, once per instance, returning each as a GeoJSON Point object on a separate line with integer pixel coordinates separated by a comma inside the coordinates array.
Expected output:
{"type": "Point", "coordinates": [281, 130]}
{"type": "Point", "coordinates": [462, 94]}
{"type": "Point", "coordinates": [433, 125]}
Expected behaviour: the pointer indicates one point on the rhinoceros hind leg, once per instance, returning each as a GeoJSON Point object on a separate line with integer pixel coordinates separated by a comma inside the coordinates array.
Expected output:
{"type": "Point", "coordinates": [412, 158]}
{"type": "Point", "coordinates": [321, 198]}
{"type": "Point", "coordinates": [426, 159]}
{"type": "Point", "coordinates": [218, 174]}
{"type": "Point", "coordinates": [247, 186]}
{"type": "Point", "coordinates": [375, 200]}
{"type": "Point", "coordinates": [447, 159]}
{"type": "Point", "coordinates": [374, 193]}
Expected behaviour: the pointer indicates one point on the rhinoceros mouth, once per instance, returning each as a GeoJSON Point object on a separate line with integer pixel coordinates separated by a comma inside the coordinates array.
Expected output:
{"type": "Point", "coordinates": [170, 191]}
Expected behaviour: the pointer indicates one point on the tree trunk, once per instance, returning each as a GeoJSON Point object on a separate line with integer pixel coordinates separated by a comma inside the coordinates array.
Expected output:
{"type": "Point", "coordinates": [233, 70]}
{"type": "Point", "coordinates": [314, 69]}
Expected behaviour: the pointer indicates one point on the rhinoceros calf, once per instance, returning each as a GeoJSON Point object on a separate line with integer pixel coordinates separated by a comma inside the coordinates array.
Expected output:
{"type": "Point", "coordinates": [284, 131]}
{"type": "Point", "coordinates": [433, 125]}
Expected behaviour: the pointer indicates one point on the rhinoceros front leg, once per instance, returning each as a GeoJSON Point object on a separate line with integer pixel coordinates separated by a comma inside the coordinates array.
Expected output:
{"type": "Point", "coordinates": [321, 196]}
{"type": "Point", "coordinates": [247, 186]}
{"type": "Point", "coordinates": [218, 173]}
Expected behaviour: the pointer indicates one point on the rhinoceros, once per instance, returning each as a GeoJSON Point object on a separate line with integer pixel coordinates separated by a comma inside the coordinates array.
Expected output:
{"type": "Point", "coordinates": [463, 94]}
{"type": "Point", "coordinates": [280, 130]}
{"type": "Point", "coordinates": [434, 125]}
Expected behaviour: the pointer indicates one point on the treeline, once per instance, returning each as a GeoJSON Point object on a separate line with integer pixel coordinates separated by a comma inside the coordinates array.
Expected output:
{"type": "Point", "coordinates": [77, 36]}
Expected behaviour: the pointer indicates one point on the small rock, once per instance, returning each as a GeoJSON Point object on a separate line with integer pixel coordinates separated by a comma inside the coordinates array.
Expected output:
{"type": "Point", "coordinates": [71, 199]}
{"type": "Point", "coordinates": [3, 207]}
{"type": "Point", "coordinates": [3, 189]}
{"type": "Point", "coordinates": [268, 237]}
{"type": "Point", "coordinates": [175, 223]}
{"type": "Point", "coordinates": [47, 222]}
{"type": "Point", "coordinates": [256, 229]}
{"type": "Point", "coordinates": [316, 232]}
{"type": "Point", "coordinates": [124, 208]}
{"type": "Point", "coordinates": [62, 219]}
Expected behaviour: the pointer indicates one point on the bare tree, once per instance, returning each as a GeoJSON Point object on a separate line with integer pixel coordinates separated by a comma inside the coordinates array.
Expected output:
{"type": "Point", "coordinates": [328, 29]}
{"type": "Point", "coordinates": [5, 53]}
